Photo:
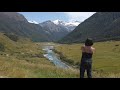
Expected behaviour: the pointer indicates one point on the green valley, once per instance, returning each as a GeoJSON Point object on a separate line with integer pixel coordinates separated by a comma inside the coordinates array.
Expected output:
{"type": "Point", "coordinates": [24, 59]}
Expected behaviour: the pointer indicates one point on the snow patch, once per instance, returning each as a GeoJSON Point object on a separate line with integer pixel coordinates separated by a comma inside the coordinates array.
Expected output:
{"type": "Point", "coordinates": [33, 22]}
{"type": "Point", "coordinates": [60, 22]}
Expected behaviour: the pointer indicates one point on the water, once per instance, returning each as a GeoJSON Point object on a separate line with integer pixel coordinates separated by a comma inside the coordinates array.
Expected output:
{"type": "Point", "coordinates": [50, 55]}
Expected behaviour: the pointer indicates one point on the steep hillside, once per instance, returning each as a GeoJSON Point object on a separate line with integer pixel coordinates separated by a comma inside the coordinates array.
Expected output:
{"type": "Point", "coordinates": [100, 26]}
{"type": "Point", "coordinates": [12, 22]}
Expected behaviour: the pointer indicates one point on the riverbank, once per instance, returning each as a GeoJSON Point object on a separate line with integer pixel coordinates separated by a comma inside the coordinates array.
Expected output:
{"type": "Point", "coordinates": [66, 60]}
{"type": "Point", "coordinates": [52, 57]}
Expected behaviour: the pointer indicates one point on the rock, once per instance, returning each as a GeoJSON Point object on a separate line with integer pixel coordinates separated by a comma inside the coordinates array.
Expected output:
{"type": "Point", "coordinates": [7, 55]}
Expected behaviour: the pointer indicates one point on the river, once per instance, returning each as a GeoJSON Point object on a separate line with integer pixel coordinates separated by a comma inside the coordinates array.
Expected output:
{"type": "Point", "coordinates": [50, 55]}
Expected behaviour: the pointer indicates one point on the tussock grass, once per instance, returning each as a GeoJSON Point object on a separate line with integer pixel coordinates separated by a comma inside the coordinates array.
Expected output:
{"type": "Point", "coordinates": [14, 68]}
{"type": "Point", "coordinates": [24, 59]}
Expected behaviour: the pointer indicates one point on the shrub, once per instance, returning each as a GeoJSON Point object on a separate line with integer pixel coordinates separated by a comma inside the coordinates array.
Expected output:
{"type": "Point", "coordinates": [12, 36]}
{"type": "Point", "coordinates": [2, 48]}
{"type": "Point", "coordinates": [77, 63]}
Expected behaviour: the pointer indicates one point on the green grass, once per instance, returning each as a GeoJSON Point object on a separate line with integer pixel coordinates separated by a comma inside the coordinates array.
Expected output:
{"type": "Point", "coordinates": [24, 59]}
{"type": "Point", "coordinates": [70, 52]}
{"type": "Point", "coordinates": [34, 68]}
{"type": "Point", "coordinates": [106, 59]}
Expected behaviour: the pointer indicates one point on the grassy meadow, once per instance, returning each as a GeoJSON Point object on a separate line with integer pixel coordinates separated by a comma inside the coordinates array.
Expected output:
{"type": "Point", "coordinates": [24, 59]}
{"type": "Point", "coordinates": [106, 59]}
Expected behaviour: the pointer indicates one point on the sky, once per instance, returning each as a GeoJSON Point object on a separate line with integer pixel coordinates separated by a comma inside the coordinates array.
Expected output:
{"type": "Point", "coordinates": [64, 16]}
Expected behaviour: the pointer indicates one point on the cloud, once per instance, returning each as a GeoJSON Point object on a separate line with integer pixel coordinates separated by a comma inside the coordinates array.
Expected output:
{"type": "Point", "coordinates": [79, 16]}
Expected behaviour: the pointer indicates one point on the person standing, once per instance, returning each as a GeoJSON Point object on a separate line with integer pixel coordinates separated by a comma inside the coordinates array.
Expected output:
{"type": "Point", "coordinates": [86, 59]}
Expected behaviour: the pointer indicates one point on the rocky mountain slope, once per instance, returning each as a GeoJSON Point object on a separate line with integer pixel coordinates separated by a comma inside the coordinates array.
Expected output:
{"type": "Point", "coordinates": [101, 26]}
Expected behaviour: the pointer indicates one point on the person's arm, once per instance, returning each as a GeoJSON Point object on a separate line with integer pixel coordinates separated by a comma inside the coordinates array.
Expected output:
{"type": "Point", "coordinates": [82, 48]}
{"type": "Point", "coordinates": [93, 49]}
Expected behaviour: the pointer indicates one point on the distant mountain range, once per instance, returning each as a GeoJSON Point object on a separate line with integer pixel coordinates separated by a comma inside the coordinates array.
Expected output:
{"type": "Point", "coordinates": [12, 22]}
{"type": "Point", "coordinates": [58, 29]}
{"type": "Point", "coordinates": [101, 26]}
{"type": "Point", "coordinates": [15, 23]}
{"type": "Point", "coordinates": [70, 26]}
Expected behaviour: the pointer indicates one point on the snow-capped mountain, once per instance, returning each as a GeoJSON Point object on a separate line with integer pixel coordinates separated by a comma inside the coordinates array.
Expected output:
{"type": "Point", "coordinates": [74, 23]}
{"type": "Point", "coordinates": [58, 28]}
{"type": "Point", "coordinates": [51, 26]}
{"type": "Point", "coordinates": [56, 31]}
{"type": "Point", "coordinates": [60, 22]}
{"type": "Point", "coordinates": [33, 22]}
{"type": "Point", "coordinates": [68, 25]}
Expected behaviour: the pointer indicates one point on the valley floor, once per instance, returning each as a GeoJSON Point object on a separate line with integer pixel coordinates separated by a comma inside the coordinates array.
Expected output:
{"type": "Point", "coordinates": [25, 60]}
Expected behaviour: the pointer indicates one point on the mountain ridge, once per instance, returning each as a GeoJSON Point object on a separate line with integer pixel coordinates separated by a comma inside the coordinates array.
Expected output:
{"type": "Point", "coordinates": [12, 22]}
{"type": "Point", "coordinates": [58, 28]}
{"type": "Point", "coordinates": [57, 32]}
{"type": "Point", "coordinates": [101, 26]}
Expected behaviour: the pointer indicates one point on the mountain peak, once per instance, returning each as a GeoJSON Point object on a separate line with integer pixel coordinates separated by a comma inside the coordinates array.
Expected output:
{"type": "Point", "coordinates": [48, 21]}
{"type": "Point", "coordinates": [60, 22]}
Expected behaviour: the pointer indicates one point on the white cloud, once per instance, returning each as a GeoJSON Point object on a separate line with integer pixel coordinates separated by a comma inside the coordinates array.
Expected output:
{"type": "Point", "coordinates": [72, 23]}
{"type": "Point", "coordinates": [79, 16]}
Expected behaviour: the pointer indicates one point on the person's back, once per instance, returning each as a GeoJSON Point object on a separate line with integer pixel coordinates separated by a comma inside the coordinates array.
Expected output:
{"type": "Point", "coordinates": [86, 59]}
{"type": "Point", "coordinates": [87, 51]}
